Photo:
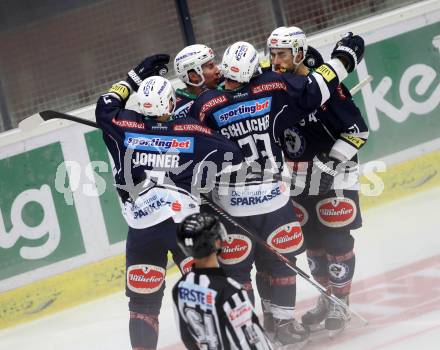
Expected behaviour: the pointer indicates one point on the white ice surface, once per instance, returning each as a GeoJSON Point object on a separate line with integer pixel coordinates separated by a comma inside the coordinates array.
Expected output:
{"type": "Point", "coordinates": [403, 306]}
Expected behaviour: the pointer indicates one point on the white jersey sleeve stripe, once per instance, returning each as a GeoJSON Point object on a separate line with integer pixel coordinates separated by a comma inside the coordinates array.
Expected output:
{"type": "Point", "coordinates": [325, 93]}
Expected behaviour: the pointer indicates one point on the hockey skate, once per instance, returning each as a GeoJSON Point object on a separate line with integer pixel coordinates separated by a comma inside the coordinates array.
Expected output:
{"type": "Point", "coordinates": [313, 318]}
{"type": "Point", "coordinates": [290, 334]}
{"type": "Point", "coordinates": [337, 318]}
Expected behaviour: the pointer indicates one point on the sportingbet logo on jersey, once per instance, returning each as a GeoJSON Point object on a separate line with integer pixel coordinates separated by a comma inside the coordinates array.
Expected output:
{"type": "Point", "coordinates": [156, 143]}
{"type": "Point", "coordinates": [193, 294]}
{"type": "Point", "coordinates": [242, 110]}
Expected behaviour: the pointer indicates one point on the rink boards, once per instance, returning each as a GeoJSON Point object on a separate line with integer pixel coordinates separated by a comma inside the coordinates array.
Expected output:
{"type": "Point", "coordinates": [61, 231]}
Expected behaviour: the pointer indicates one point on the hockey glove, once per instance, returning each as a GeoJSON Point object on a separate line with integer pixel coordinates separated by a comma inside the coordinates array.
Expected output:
{"type": "Point", "coordinates": [350, 50]}
{"type": "Point", "coordinates": [313, 58]}
{"type": "Point", "coordinates": [152, 65]}
{"type": "Point", "coordinates": [326, 166]}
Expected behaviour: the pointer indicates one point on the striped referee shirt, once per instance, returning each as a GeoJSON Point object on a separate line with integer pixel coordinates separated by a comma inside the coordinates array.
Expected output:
{"type": "Point", "coordinates": [213, 312]}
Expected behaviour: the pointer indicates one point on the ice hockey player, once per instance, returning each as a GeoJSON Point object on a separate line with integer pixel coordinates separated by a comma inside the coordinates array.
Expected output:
{"type": "Point", "coordinates": [157, 160]}
{"type": "Point", "coordinates": [254, 111]}
{"type": "Point", "coordinates": [330, 138]}
{"type": "Point", "coordinates": [212, 310]}
{"type": "Point", "coordinates": [196, 67]}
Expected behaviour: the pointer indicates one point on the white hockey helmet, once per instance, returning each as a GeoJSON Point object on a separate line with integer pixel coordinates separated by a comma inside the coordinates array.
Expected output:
{"type": "Point", "coordinates": [192, 58]}
{"type": "Point", "coordinates": [154, 96]}
{"type": "Point", "coordinates": [292, 38]}
{"type": "Point", "coordinates": [240, 62]}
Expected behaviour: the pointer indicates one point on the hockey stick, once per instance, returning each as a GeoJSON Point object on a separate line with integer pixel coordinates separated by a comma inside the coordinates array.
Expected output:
{"type": "Point", "coordinates": [289, 264]}
{"type": "Point", "coordinates": [355, 89]}
{"type": "Point", "coordinates": [35, 120]}
{"type": "Point", "coordinates": [47, 115]}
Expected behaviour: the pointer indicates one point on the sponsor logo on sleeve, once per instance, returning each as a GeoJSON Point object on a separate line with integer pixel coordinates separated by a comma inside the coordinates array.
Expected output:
{"type": "Point", "coordinates": [236, 250]}
{"type": "Point", "coordinates": [120, 90]}
{"type": "Point", "coordinates": [287, 238]}
{"type": "Point", "coordinates": [192, 128]}
{"type": "Point", "coordinates": [145, 279]}
{"type": "Point", "coordinates": [216, 101]}
{"type": "Point", "coordinates": [243, 110]}
{"type": "Point", "coordinates": [336, 212]}
{"type": "Point", "coordinates": [267, 87]}
{"type": "Point", "coordinates": [326, 72]}
{"type": "Point", "coordinates": [130, 124]}
{"type": "Point", "coordinates": [157, 143]}
{"type": "Point", "coordinates": [354, 141]}
{"type": "Point", "coordinates": [301, 213]}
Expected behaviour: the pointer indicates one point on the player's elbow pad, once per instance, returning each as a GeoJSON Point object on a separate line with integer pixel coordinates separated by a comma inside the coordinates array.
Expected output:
{"type": "Point", "coordinates": [328, 76]}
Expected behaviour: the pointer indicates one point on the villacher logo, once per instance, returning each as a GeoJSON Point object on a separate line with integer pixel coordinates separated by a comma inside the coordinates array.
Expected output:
{"type": "Point", "coordinates": [287, 238]}
{"type": "Point", "coordinates": [336, 212]}
{"type": "Point", "coordinates": [145, 279]}
{"type": "Point", "coordinates": [236, 250]}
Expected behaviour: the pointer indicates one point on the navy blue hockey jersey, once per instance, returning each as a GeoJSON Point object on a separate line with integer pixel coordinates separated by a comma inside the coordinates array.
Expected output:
{"type": "Point", "coordinates": [184, 101]}
{"type": "Point", "coordinates": [256, 115]}
{"type": "Point", "coordinates": [336, 128]}
{"type": "Point", "coordinates": [160, 163]}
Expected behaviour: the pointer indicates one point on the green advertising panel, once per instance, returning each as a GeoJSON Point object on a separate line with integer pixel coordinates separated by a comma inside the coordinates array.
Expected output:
{"type": "Point", "coordinates": [114, 222]}
{"type": "Point", "coordinates": [402, 105]}
{"type": "Point", "coordinates": [37, 227]}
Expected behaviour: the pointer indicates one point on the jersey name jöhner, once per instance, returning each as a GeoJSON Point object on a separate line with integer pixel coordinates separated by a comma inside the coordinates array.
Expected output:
{"type": "Point", "coordinates": [156, 160]}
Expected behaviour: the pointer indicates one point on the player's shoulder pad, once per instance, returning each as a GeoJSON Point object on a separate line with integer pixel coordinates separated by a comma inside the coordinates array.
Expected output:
{"type": "Point", "coordinates": [267, 82]}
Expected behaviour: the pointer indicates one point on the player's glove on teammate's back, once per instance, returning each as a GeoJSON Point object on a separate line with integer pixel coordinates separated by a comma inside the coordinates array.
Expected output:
{"type": "Point", "coordinates": [313, 58]}
{"type": "Point", "coordinates": [326, 166]}
{"type": "Point", "coordinates": [152, 65]}
{"type": "Point", "coordinates": [350, 50]}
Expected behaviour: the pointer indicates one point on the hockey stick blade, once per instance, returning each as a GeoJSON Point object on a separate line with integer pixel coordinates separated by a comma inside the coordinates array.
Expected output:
{"type": "Point", "coordinates": [49, 114]}
{"type": "Point", "coordinates": [30, 123]}
{"type": "Point", "coordinates": [355, 89]}
{"type": "Point", "coordinates": [289, 264]}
